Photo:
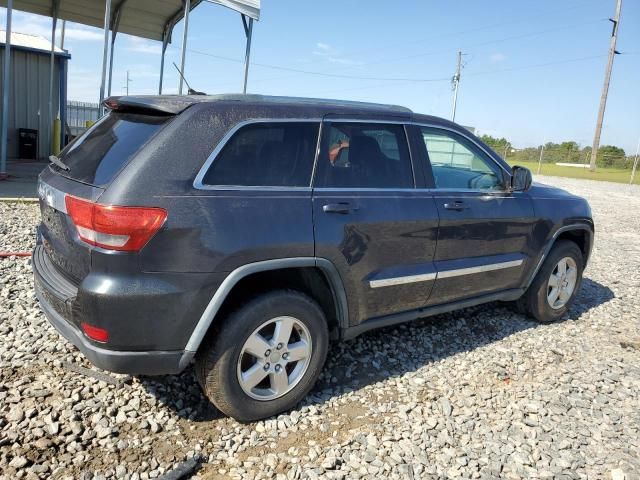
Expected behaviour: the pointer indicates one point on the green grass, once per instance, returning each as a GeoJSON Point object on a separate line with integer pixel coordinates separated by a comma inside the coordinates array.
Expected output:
{"type": "Point", "coordinates": [603, 174]}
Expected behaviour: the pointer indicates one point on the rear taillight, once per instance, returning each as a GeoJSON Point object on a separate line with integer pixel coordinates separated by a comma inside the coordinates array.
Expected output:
{"type": "Point", "coordinates": [114, 228]}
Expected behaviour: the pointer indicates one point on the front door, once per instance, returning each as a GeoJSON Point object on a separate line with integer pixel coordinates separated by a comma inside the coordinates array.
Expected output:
{"type": "Point", "coordinates": [483, 244]}
{"type": "Point", "coordinates": [370, 221]}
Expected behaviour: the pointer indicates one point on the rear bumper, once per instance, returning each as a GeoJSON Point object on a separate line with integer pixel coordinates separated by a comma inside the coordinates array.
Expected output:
{"type": "Point", "coordinates": [135, 363]}
{"type": "Point", "coordinates": [57, 297]}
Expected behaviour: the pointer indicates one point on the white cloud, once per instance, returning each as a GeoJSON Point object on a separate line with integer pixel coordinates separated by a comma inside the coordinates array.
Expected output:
{"type": "Point", "coordinates": [41, 26]}
{"type": "Point", "coordinates": [31, 27]}
{"type": "Point", "coordinates": [140, 45]}
{"type": "Point", "coordinates": [498, 57]}
{"type": "Point", "coordinates": [82, 33]}
{"type": "Point", "coordinates": [331, 55]}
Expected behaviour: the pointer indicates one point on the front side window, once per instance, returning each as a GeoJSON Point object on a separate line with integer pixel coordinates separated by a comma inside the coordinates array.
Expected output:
{"type": "Point", "coordinates": [274, 154]}
{"type": "Point", "coordinates": [458, 164]}
{"type": "Point", "coordinates": [364, 155]}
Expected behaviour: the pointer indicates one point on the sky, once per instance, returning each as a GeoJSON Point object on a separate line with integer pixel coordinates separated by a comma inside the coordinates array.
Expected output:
{"type": "Point", "coordinates": [533, 71]}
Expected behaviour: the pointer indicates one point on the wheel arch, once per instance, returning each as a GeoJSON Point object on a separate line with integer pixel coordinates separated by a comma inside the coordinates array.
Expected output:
{"type": "Point", "coordinates": [235, 278]}
{"type": "Point", "coordinates": [579, 233]}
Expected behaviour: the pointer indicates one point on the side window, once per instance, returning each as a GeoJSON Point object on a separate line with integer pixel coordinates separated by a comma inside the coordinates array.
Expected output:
{"type": "Point", "coordinates": [458, 164]}
{"type": "Point", "coordinates": [364, 155]}
{"type": "Point", "coordinates": [275, 154]}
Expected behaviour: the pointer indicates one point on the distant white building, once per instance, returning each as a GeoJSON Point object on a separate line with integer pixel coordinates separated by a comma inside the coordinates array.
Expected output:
{"type": "Point", "coordinates": [29, 89]}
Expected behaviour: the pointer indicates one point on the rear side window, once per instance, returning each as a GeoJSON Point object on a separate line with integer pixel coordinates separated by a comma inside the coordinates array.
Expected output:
{"type": "Point", "coordinates": [274, 154]}
{"type": "Point", "coordinates": [101, 152]}
{"type": "Point", "coordinates": [364, 155]}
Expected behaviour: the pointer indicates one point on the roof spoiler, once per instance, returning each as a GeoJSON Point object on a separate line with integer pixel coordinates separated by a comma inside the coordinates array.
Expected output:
{"type": "Point", "coordinates": [151, 104]}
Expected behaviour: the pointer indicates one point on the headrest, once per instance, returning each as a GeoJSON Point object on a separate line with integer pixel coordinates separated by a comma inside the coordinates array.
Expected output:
{"type": "Point", "coordinates": [363, 149]}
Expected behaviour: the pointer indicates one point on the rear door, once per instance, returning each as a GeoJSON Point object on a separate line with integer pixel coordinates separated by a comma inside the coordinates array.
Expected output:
{"type": "Point", "coordinates": [371, 221]}
{"type": "Point", "coordinates": [483, 239]}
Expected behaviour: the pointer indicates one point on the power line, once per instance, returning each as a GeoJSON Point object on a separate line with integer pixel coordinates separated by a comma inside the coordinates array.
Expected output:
{"type": "Point", "coordinates": [395, 59]}
{"type": "Point", "coordinates": [488, 72]}
{"type": "Point", "coordinates": [488, 42]}
{"type": "Point", "coordinates": [323, 74]}
{"type": "Point", "coordinates": [528, 18]}
{"type": "Point", "coordinates": [537, 65]}
{"type": "Point", "coordinates": [400, 80]}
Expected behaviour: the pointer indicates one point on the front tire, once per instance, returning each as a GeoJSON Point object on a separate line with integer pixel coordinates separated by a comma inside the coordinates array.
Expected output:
{"type": "Point", "coordinates": [264, 357]}
{"type": "Point", "coordinates": [556, 284]}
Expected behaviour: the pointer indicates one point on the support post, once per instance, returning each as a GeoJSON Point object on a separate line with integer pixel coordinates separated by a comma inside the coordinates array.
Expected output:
{"type": "Point", "coordinates": [114, 32]}
{"type": "Point", "coordinates": [165, 38]}
{"type": "Point", "coordinates": [5, 93]}
{"type": "Point", "coordinates": [187, 7]}
{"type": "Point", "coordinates": [113, 41]}
{"type": "Point", "coordinates": [50, 118]}
{"type": "Point", "coordinates": [248, 30]}
{"type": "Point", "coordinates": [63, 101]}
{"type": "Point", "coordinates": [105, 51]}
{"type": "Point", "coordinates": [605, 87]}
{"type": "Point", "coordinates": [64, 25]}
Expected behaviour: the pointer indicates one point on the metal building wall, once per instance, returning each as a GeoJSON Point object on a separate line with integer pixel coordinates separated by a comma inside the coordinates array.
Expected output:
{"type": "Point", "coordinates": [29, 96]}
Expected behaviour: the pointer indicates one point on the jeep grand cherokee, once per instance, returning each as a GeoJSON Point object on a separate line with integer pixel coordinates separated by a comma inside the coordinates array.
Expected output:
{"type": "Point", "coordinates": [247, 232]}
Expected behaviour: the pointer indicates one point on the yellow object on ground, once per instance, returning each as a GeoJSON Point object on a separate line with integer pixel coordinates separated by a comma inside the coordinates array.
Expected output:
{"type": "Point", "coordinates": [55, 142]}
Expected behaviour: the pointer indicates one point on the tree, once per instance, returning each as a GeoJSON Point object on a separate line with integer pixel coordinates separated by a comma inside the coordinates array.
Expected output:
{"type": "Point", "coordinates": [564, 152]}
{"type": "Point", "coordinates": [498, 144]}
{"type": "Point", "coordinates": [611, 156]}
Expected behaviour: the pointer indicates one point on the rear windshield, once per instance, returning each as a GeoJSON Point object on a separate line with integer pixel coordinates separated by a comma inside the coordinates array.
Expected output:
{"type": "Point", "coordinates": [101, 152]}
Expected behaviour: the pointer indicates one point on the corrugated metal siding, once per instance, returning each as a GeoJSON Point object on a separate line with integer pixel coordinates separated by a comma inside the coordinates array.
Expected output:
{"type": "Point", "coordinates": [29, 97]}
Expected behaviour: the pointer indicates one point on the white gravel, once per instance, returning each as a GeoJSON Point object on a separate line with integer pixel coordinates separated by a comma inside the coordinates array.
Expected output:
{"type": "Point", "coordinates": [480, 393]}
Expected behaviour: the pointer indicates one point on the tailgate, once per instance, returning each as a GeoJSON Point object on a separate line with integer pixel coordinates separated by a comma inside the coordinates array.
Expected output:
{"type": "Point", "coordinates": [57, 233]}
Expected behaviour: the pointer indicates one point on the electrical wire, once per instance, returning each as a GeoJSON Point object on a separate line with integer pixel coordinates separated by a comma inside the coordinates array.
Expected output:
{"type": "Point", "coordinates": [388, 79]}
{"type": "Point", "coordinates": [322, 74]}
{"type": "Point", "coordinates": [537, 65]}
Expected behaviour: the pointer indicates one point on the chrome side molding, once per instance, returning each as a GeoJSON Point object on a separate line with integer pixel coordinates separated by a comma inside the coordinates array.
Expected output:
{"type": "Point", "coordinates": [387, 282]}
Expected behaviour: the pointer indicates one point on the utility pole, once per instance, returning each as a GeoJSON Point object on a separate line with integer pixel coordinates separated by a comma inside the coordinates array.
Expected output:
{"type": "Point", "coordinates": [127, 83]}
{"type": "Point", "coordinates": [635, 164]}
{"type": "Point", "coordinates": [540, 158]}
{"type": "Point", "coordinates": [455, 83]}
{"type": "Point", "coordinates": [605, 88]}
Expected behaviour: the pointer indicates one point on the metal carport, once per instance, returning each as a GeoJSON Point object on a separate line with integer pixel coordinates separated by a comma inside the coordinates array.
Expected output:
{"type": "Point", "coordinates": [151, 19]}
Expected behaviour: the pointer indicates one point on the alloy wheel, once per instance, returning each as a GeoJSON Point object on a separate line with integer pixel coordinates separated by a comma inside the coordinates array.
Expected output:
{"type": "Point", "coordinates": [274, 358]}
{"type": "Point", "coordinates": [562, 283]}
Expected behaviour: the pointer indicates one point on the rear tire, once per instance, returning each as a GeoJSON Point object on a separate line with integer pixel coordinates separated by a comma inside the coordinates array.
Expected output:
{"type": "Point", "coordinates": [250, 367]}
{"type": "Point", "coordinates": [555, 287]}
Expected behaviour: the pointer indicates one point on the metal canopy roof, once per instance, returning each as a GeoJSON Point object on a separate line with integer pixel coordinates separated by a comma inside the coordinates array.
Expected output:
{"type": "Point", "coordinates": [250, 8]}
{"type": "Point", "coordinates": [141, 18]}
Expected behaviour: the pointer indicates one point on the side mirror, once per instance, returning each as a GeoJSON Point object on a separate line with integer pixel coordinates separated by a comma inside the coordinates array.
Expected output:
{"type": "Point", "coordinates": [521, 179]}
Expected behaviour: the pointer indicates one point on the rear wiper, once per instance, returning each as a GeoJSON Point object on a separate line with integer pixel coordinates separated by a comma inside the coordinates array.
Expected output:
{"type": "Point", "coordinates": [58, 163]}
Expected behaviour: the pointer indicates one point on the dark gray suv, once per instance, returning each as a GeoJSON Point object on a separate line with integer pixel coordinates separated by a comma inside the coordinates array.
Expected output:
{"type": "Point", "coordinates": [247, 232]}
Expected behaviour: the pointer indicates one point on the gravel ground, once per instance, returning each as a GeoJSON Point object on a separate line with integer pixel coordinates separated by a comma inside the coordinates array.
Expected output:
{"type": "Point", "coordinates": [480, 393]}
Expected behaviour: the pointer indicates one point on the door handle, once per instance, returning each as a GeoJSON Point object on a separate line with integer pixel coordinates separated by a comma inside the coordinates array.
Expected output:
{"type": "Point", "coordinates": [342, 208]}
{"type": "Point", "coordinates": [458, 206]}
